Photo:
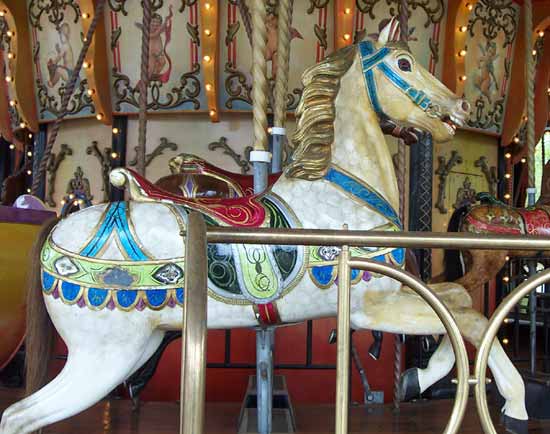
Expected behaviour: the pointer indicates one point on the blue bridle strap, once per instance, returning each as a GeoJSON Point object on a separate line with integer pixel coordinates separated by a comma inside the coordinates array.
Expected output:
{"type": "Point", "coordinates": [372, 58]}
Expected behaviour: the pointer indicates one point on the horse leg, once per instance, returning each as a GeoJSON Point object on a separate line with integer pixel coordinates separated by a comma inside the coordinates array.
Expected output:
{"type": "Point", "coordinates": [90, 373]}
{"type": "Point", "coordinates": [484, 266]}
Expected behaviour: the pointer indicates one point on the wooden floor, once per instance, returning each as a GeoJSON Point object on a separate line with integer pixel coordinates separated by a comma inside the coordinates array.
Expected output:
{"type": "Point", "coordinates": [116, 417]}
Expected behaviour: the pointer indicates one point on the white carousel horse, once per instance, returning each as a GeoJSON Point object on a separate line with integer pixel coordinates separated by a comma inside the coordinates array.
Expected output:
{"type": "Point", "coordinates": [112, 274]}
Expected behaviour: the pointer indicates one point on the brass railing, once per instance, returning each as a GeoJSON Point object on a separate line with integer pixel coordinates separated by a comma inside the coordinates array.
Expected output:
{"type": "Point", "coordinates": [194, 318]}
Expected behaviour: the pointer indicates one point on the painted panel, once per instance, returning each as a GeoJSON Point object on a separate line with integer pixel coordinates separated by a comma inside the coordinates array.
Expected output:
{"type": "Point", "coordinates": [57, 40]}
{"type": "Point", "coordinates": [174, 70]}
{"type": "Point", "coordinates": [491, 33]}
{"type": "Point", "coordinates": [426, 26]}
{"type": "Point", "coordinates": [312, 39]}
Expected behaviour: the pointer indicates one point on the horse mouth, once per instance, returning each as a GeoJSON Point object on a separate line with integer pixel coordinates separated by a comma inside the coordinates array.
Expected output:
{"type": "Point", "coordinates": [451, 123]}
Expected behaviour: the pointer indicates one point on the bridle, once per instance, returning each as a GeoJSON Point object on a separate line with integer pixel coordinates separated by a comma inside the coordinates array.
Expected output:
{"type": "Point", "coordinates": [372, 58]}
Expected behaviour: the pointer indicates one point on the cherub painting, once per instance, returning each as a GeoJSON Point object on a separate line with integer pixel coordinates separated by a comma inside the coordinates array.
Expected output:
{"type": "Point", "coordinates": [273, 40]}
{"type": "Point", "coordinates": [486, 79]}
{"type": "Point", "coordinates": [61, 65]}
{"type": "Point", "coordinates": [158, 55]}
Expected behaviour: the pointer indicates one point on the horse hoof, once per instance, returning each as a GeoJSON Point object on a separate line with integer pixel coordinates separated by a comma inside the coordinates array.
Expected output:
{"type": "Point", "coordinates": [409, 386]}
{"type": "Point", "coordinates": [513, 425]}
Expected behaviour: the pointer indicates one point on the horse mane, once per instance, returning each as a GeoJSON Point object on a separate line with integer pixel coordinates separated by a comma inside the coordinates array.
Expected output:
{"type": "Point", "coordinates": [314, 135]}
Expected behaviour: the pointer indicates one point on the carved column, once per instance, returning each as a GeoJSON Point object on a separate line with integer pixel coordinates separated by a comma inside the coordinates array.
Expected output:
{"type": "Point", "coordinates": [420, 209]}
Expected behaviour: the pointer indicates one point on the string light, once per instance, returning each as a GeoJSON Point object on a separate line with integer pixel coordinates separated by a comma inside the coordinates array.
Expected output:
{"type": "Point", "coordinates": [10, 33]}
{"type": "Point", "coordinates": [462, 53]}
{"type": "Point", "coordinates": [516, 139]}
{"type": "Point", "coordinates": [212, 112]}
{"type": "Point", "coordinates": [347, 36]}
{"type": "Point", "coordinates": [8, 78]}
{"type": "Point", "coordinates": [90, 92]}
{"type": "Point", "coordinates": [507, 258]}
{"type": "Point", "coordinates": [347, 11]}
{"type": "Point", "coordinates": [12, 146]}
{"type": "Point", "coordinates": [81, 201]}
{"type": "Point", "coordinates": [86, 65]}
{"type": "Point", "coordinates": [523, 160]}
{"type": "Point", "coordinates": [208, 32]}
{"type": "Point", "coordinates": [207, 58]}
{"type": "Point", "coordinates": [207, 6]}
{"type": "Point", "coordinates": [506, 279]}
{"type": "Point", "coordinates": [30, 136]}
{"type": "Point", "coordinates": [29, 154]}
{"type": "Point", "coordinates": [525, 118]}
{"type": "Point", "coordinates": [462, 78]}
{"type": "Point", "coordinates": [507, 196]}
{"type": "Point", "coordinates": [507, 155]}
{"type": "Point", "coordinates": [23, 125]}
{"type": "Point", "coordinates": [115, 130]}
{"type": "Point", "coordinates": [99, 116]}
{"type": "Point", "coordinates": [28, 190]}
{"type": "Point", "coordinates": [534, 52]}
{"type": "Point", "coordinates": [469, 6]}
{"type": "Point", "coordinates": [208, 87]}
{"type": "Point", "coordinates": [13, 103]}
{"type": "Point", "coordinates": [2, 13]}
{"type": "Point", "coordinates": [541, 34]}
{"type": "Point", "coordinates": [29, 172]}
{"type": "Point", "coordinates": [114, 155]}
{"type": "Point", "coordinates": [507, 175]}
{"type": "Point", "coordinates": [462, 29]}
{"type": "Point", "coordinates": [63, 201]}
{"type": "Point", "coordinates": [85, 15]}
{"type": "Point", "coordinates": [505, 341]}
{"type": "Point", "coordinates": [11, 55]}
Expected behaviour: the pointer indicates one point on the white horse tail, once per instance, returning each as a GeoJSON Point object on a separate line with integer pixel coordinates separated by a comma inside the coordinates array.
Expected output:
{"type": "Point", "coordinates": [40, 331]}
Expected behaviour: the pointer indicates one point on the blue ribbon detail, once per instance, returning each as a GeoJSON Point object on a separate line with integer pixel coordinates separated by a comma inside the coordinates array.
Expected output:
{"type": "Point", "coordinates": [47, 282]}
{"type": "Point", "coordinates": [115, 220]}
{"type": "Point", "coordinates": [156, 297]}
{"type": "Point", "coordinates": [179, 295]}
{"type": "Point", "coordinates": [372, 58]}
{"type": "Point", "coordinates": [126, 297]}
{"type": "Point", "coordinates": [323, 274]}
{"type": "Point", "coordinates": [363, 193]}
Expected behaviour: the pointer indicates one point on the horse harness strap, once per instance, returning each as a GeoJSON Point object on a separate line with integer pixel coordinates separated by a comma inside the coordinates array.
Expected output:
{"type": "Point", "coordinates": [371, 59]}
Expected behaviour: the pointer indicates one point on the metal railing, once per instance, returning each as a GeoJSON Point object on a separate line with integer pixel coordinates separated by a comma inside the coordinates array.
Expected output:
{"type": "Point", "coordinates": [194, 317]}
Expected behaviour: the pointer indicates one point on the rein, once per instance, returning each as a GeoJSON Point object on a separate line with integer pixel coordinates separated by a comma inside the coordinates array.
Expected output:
{"type": "Point", "coordinates": [372, 58]}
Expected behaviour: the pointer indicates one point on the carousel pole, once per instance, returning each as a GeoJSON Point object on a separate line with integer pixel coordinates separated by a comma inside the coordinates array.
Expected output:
{"type": "Point", "coordinates": [52, 137]}
{"type": "Point", "coordinates": [531, 190]}
{"type": "Point", "coordinates": [143, 85]}
{"type": "Point", "coordinates": [278, 131]}
{"type": "Point", "coordinates": [401, 179]}
{"type": "Point", "coordinates": [261, 158]}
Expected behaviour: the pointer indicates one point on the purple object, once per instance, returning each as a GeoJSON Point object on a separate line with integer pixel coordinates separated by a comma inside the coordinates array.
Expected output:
{"type": "Point", "coordinates": [9, 214]}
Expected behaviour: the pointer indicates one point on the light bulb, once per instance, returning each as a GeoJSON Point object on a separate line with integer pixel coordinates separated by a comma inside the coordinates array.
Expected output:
{"type": "Point", "coordinates": [208, 87]}
{"type": "Point", "coordinates": [207, 58]}
{"type": "Point", "coordinates": [347, 36]}
{"type": "Point", "coordinates": [347, 11]}
{"type": "Point", "coordinates": [208, 32]}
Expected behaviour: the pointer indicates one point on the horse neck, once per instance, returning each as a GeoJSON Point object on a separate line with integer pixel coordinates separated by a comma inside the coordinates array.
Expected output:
{"type": "Point", "coordinates": [359, 144]}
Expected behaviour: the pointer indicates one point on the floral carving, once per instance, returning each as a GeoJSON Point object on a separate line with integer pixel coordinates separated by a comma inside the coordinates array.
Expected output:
{"type": "Point", "coordinates": [244, 164]}
{"type": "Point", "coordinates": [187, 92]}
{"type": "Point", "coordinates": [79, 101]}
{"type": "Point", "coordinates": [486, 117]}
{"type": "Point", "coordinates": [434, 9]}
{"type": "Point", "coordinates": [236, 86]}
{"type": "Point", "coordinates": [56, 11]}
{"type": "Point", "coordinates": [495, 16]}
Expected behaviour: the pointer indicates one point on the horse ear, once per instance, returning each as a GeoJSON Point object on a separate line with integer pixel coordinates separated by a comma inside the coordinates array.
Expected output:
{"type": "Point", "coordinates": [391, 32]}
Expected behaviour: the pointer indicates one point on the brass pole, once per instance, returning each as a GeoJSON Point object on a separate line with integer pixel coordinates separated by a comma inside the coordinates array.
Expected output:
{"type": "Point", "coordinates": [193, 343]}
{"type": "Point", "coordinates": [485, 347]}
{"type": "Point", "coordinates": [343, 343]}
{"type": "Point", "coordinates": [414, 240]}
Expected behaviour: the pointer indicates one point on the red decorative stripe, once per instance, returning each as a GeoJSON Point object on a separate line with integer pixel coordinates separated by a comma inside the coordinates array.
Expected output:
{"type": "Point", "coordinates": [491, 228]}
{"type": "Point", "coordinates": [537, 221]}
{"type": "Point", "coordinates": [268, 314]}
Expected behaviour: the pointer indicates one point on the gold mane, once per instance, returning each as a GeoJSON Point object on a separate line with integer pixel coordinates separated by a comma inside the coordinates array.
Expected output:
{"type": "Point", "coordinates": [314, 135]}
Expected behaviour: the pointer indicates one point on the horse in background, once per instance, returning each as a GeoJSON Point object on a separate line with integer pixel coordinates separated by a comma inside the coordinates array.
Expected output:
{"type": "Point", "coordinates": [474, 268]}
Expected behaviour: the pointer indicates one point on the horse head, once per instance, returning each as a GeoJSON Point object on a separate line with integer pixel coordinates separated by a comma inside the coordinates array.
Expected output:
{"type": "Point", "coordinates": [403, 90]}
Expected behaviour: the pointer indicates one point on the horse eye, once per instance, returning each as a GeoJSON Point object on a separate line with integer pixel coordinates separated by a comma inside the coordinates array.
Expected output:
{"type": "Point", "coordinates": [404, 65]}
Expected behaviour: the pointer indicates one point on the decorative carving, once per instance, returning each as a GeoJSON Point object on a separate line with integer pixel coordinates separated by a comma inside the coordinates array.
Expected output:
{"type": "Point", "coordinates": [316, 4]}
{"type": "Point", "coordinates": [434, 9]}
{"type": "Point", "coordinates": [78, 193]}
{"type": "Point", "coordinates": [465, 195]}
{"type": "Point", "coordinates": [159, 150]}
{"type": "Point", "coordinates": [107, 160]}
{"type": "Point", "coordinates": [443, 171]}
{"type": "Point", "coordinates": [51, 170]}
{"type": "Point", "coordinates": [495, 16]}
{"type": "Point", "coordinates": [485, 118]}
{"type": "Point", "coordinates": [55, 9]}
{"type": "Point", "coordinates": [79, 101]}
{"type": "Point", "coordinates": [232, 31]}
{"type": "Point", "coordinates": [244, 164]}
{"type": "Point", "coordinates": [236, 86]}
{"type": "Point", "coordinates": [118, 6]}
{"type": "Point", "coordinates": [115, 36]}
{"type": "Point", "coordinates": [321, 34]}
{"type": "Point", "coordinates": [187, 92]}
{"type": "Point", "coordinates": [490, 174]}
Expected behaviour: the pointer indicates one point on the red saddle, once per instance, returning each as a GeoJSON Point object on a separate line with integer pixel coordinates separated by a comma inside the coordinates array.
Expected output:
{"type": "Point", "coordinates": [193, 165]}
{"type": "Point", "coordinates": [246, 211]}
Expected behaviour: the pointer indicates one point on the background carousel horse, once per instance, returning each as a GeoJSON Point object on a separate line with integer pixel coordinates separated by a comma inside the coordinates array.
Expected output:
{"type": "Point", "coordinates": [474, 268]}
{"type": "Point", "coordinates": [110, 276]}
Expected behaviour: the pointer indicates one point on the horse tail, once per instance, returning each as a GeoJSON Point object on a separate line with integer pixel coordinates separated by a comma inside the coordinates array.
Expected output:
{"type": "Point", "coordinates": [40, 332]}
{"type": "Point", "coordinates": [454, 269]}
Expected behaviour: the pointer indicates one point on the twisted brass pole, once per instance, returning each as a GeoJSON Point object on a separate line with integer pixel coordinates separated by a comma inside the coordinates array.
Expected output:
{"type": "Point", "coordinates": [259, 75]}
{"type": "Point", "coordinates": [283, 54]}
{"type": "Point", "coordinates": [52, 136]}
{"type": "Point", "coordinates": [530, 88]}
{"type": "Point", "coordinates": [143, 84]}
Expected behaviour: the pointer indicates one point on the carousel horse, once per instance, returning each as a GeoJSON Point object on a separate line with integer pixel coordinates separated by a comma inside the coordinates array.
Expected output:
{"type": "Point", "coordinates": [474, 268]}
{"type": "Point", "coordinates": [110, 277]}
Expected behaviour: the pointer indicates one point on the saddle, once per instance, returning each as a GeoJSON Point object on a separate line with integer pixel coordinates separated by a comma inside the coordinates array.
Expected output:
{"type": "Point", "coordinates": [244, 211]}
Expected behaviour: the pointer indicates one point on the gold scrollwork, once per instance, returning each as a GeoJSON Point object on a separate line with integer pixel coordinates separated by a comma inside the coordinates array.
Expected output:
{"type": "Point", "coordinates": [55, 9]}
{"type": "Point", "coordinates": [434, 9]}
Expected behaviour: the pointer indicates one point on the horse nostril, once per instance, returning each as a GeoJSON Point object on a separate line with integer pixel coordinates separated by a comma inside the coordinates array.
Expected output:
{"type": "Point", "coordinates": [465, 106]}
